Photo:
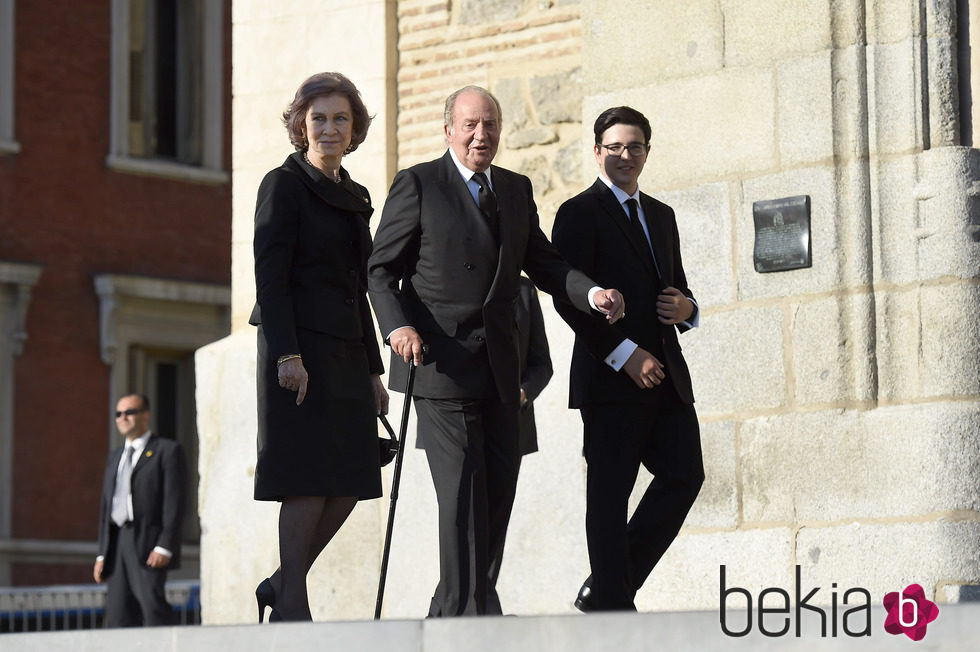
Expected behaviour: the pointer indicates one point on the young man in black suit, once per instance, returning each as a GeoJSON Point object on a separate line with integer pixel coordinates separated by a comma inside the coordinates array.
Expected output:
{"type": "Point", "coordinates": [454, 236]}
{"type": "Point", "coordinates": [140, 519]}
{"type": "Point", "coordinates": [630, 381]}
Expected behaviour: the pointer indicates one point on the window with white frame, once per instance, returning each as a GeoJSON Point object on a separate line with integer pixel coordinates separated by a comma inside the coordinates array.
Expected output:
{"type": "Point", "coordinates": [167, 91]}
{"type": "Point", "coordinates": [17, 281]}
{"type": "Point", "coordinates": [8, 142]}
{"type": "Point", "coordinates": [149, 331]}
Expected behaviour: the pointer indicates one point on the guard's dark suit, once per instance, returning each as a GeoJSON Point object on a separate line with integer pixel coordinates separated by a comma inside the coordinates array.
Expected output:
{"type": "Point", "coordinates": [136, 591]}
{"type": "Point", "coordinates": [625, 425]}
{"type": "Point", "coordinates": [437, 267]}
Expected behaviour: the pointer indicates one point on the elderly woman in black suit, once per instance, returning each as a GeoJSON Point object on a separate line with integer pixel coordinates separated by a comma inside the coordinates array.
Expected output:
{"type": "Point", "coordinates": [319, 367]}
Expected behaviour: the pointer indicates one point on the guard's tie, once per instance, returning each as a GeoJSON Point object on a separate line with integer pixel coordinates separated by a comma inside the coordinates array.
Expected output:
{"type": "Point", "coordinates": [120, 499]}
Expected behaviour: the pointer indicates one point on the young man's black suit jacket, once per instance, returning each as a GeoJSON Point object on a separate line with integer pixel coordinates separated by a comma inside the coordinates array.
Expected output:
{"type": "Point", "coordinates": [592, 231]}
{"type": "Point", "coordinates": [436, 266]}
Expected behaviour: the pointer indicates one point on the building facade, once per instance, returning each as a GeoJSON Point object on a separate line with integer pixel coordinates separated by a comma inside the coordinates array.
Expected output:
{"type": "Point", "coordinates": [115, 213]}
{"type": "Point", "coordinates": [839, 403]}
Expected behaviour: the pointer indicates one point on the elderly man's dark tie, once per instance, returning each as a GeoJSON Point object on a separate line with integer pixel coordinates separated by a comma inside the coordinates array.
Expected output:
{"type": "Point", "coordinates": [488, 202]}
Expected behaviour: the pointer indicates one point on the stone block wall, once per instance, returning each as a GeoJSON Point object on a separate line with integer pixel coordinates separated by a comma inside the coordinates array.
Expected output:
{"type": "Point", "coordinates": [847, 393]}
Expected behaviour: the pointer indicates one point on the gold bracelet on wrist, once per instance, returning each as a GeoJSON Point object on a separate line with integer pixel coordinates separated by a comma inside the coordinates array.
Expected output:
{"type": "Point", "coordinates": [288, 356]}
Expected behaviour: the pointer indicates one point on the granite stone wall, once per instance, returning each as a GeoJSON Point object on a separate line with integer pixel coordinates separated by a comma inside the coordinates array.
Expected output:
{"type": "Point", "coordinates": [839, 403]}
{"type": "Point", "coordinates": [527, 52]}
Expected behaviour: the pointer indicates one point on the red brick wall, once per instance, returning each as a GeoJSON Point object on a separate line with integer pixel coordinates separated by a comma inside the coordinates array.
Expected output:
{"type": "Point", "coordinates": [515, 49]}
{"type": "Point", "coordinates": [61, 207]}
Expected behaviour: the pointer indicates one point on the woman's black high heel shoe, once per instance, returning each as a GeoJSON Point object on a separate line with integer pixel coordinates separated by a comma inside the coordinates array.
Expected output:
{"type": "Point", "coordinates": [265, 597]}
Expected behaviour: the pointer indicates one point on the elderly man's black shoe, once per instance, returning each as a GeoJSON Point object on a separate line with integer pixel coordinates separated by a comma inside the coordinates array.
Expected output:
{"type": "Point", "coordinates": [583, 602]}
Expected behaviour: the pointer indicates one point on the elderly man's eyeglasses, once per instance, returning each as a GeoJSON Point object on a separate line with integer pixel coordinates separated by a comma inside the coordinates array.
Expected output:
{"type": "Point", "coordinates": [131, 412]}
{"type": "Point", "coordinates": [635, 149]}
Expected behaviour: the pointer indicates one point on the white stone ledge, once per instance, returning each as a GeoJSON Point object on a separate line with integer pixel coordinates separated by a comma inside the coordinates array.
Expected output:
{"type": "Point", "coordinates": [9, 146]}
{"type": "Point", "coordinates": [955, 629]}
{"type": "Point", "coordinates": [19, 273]}
{"type": "Point", "coordinates": [162, 289]}
{"type": "Point", "coordinates": [47, 550]}
{"type": "Point", "coordinates": [156, 168]}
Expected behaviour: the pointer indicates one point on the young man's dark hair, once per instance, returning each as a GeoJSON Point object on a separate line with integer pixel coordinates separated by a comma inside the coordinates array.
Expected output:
{"type": "Point", "coordinates": [621, 115]}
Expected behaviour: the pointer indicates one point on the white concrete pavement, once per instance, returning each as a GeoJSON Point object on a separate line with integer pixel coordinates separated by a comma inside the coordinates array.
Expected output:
{"type": "Point", "coordinates": [956, 630]}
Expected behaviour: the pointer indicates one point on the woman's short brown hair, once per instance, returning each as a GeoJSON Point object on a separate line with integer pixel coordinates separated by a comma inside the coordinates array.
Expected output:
{"type": "Point", "coordinates": [318, 85]}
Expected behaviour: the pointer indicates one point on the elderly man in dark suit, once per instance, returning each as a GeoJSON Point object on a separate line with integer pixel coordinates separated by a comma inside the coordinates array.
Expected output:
{"type": "Point", "coordinates": [140, 519]}
{"type": "Point", "coordinates": [536, 371]}
{"type": "Point", "coordinates": [454, 236]}
{"type": "Point", "coordinates": [630, 381]}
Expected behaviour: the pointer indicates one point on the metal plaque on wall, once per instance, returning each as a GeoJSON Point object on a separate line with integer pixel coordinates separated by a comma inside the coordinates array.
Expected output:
{"type": "Point", "coordinates": [782, 234]}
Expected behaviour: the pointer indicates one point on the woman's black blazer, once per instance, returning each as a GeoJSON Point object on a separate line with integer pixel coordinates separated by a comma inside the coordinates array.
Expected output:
{"type": "Point", "coordinates": [311, 248]}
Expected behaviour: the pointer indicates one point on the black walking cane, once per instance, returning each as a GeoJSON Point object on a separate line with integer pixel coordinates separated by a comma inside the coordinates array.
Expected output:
{"type": "Point", "coordinates": [396, 479]}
